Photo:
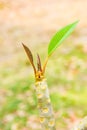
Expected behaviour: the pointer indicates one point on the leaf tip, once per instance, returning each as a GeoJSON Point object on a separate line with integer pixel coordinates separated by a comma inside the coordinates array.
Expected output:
{"type": "Point", "coordinates": [76, 22]}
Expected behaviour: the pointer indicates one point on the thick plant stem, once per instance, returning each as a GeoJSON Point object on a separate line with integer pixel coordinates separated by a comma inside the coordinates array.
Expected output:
{"type": "Point", "coordinates": [82, 125]}
{"type": "Point", "coordinates": [44, 105]}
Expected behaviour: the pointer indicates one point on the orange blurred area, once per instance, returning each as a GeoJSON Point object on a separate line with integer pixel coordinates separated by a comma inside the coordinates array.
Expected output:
{"type": "Point", "coordinates": [34, 22]}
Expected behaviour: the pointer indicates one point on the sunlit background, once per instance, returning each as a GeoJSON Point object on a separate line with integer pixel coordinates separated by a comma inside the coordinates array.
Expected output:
{"type": "Point", "coordinates": [34, 22]}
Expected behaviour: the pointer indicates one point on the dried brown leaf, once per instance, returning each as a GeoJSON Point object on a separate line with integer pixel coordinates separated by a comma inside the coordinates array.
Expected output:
{"type": "Point", "coordinates": [30, 56]}
{"type": "Point", "coordinates": [39, 63]}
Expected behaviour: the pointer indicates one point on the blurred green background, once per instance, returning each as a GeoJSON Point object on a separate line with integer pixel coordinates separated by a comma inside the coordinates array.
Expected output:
{"type": "Point", "coordinates": [34, 23]}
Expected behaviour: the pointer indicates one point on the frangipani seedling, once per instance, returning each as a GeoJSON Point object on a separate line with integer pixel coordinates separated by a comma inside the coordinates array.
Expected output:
{"type": "Point", "coordinates": [47, 119]}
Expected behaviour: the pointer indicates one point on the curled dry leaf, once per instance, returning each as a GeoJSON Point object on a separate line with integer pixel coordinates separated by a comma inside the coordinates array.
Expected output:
{"type": "Point", "coordinates": [39, 63]}
{"type": "Point", "coordinates": [30, 56]}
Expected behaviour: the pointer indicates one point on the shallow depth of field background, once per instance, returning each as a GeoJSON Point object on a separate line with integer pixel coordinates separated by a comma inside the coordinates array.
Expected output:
{"type": "Point", "coordinates": [34, 23]}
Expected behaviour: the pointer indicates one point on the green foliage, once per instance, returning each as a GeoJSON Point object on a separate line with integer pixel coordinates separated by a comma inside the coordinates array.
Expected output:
{"type": "Point", "coordinates": [60, 36]}
{"type": "Point", "coordinates": [67, 83]}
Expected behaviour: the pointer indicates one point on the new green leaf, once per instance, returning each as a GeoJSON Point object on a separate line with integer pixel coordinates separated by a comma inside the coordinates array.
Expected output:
{"type": "Point", "coordinates": [60, 36]}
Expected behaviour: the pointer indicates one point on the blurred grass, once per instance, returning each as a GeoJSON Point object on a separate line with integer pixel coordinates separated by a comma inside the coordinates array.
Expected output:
{"type": "Point", "coordinates": [66, 75]}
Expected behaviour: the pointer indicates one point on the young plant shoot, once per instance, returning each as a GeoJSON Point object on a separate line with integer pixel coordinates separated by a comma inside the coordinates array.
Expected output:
{"type": "Point", "coordinates": [47, 119]}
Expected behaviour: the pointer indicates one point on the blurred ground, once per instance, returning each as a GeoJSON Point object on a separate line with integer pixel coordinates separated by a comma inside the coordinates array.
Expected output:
{"type": "Point", "coordinates": [34, 23]}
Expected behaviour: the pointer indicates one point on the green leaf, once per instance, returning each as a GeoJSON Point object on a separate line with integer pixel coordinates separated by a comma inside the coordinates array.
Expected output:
{"type": "Point", "coordinates": [60, 36]}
